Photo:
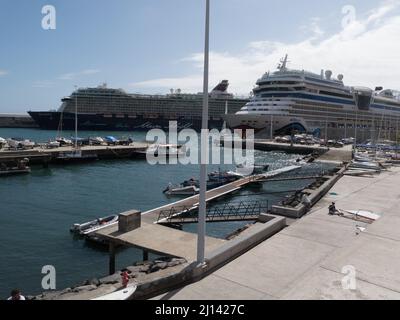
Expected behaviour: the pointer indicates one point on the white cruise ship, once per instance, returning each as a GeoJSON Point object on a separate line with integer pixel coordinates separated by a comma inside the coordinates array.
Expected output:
{"type": "Point", "coordinates": [296, 101]}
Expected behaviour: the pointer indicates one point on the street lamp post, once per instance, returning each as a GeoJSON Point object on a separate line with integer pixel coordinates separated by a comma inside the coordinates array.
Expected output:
{"type": "Point", "coordinates": [204, 148]}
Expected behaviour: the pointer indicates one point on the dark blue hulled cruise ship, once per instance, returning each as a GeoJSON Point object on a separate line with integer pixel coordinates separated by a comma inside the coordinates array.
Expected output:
{"type": "Point", "coordinates": [103, 108]}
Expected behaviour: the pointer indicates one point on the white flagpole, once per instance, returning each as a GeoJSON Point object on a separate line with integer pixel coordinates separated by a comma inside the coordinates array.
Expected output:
{"type": "Point", "coordinates": [204, 148]}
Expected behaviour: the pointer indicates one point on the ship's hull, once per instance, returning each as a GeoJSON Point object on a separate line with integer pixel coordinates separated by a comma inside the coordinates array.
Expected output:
{"type": "Point", "coordinates": [261, 124]}
{"type": "Point", "coordinates": [97, 122]}
{"type": "Point", "coordinates": [287, 125]}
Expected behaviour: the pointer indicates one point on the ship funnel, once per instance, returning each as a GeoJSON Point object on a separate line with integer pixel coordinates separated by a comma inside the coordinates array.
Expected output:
{"type": "Point", "coordinates": [222, 86]}
{"type": "Point", "coordinates": [328, 74]}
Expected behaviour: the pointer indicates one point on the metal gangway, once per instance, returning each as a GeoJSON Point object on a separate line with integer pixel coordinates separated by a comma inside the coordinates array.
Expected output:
{"type": "Point", "coordinates": [229, 212]}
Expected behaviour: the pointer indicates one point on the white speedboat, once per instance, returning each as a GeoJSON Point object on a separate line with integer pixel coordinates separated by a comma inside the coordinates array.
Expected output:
{"type": "Point", "coordinates": [97, 141]}
{"type": "Point", "coordinates": [64, 141]}
{"type": "Point", "coordinates": [123, 294]}
{"type": "Point", "coordinates": [249, 169]}
{"type": "Point", "coordinates": [53, 144]}
{"type": "Point", "coordinates": [165, 150]}
{"type": "Point", "coordinates": [94, 225]}
{"type": "Point", "coordinates": [181, 190]}
{"type": "Point", "coordinates": [361, 158]}
{"type": "Point", "coordinates": [20, 143]}
{"type": "Point", "coordinates": [3, 142]}
{"type": "Point", "coordinates": [76, 155]}
{"type": "Point", "coordinates": [27, 144]}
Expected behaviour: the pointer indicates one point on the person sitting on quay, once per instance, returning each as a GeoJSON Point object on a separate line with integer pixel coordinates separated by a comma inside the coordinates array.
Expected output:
{"type": "Point", "coordinates": [333, 211]}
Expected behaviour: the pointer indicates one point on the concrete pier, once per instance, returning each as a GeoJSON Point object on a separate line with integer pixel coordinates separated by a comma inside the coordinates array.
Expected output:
{"type": "Point", "coordinates": [44, 156]}
{"type": "Point", "coordinates": [268, 145]}
{"type": "Point", "coordinates": [163, 240]}
{"type": "Point", "coordinates": [312, 258]}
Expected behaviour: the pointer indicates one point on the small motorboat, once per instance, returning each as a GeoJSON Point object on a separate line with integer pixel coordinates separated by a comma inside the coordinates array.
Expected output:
{"type": "Point", "coordinates": [27, 144]}
{"type": "Point", "coordinates": [21, 168]}
{"type": "Point", "coordinates": [96, 141]}
{"type": "Point", "coordinates": [14, 171]}
{"type": "Point", "coordinates": [191, 187]}
{"type": "Point", "coordinates": [219, 175]}
{"type": "Point", "coordinates": [76, 155]}
{"type": "Point", "coordinates": [165, 150]}
{"type": "Point", "coordinates": [181, 190]}
{"type": "Point", "coordinates": [251, 169]}
{"type": "Point", "coordinates": [53, 144]}
{"type": "Point", "coordinates": [94, 225]}
{"type": "Point", "coordinates": [20, 143]}
{"type": "Point", "coordinates": [64, 142]}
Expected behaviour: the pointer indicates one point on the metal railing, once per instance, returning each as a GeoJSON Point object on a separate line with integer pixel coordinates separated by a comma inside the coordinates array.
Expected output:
{"type": "Point", "coordinates": [238, 211]}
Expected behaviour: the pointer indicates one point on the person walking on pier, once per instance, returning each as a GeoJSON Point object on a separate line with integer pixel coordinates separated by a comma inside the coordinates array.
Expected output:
{"type": "Point", "coordinates": [16, 295]}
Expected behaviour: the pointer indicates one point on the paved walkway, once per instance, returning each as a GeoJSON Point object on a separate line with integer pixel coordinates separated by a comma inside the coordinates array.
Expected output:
{"type": "Point", "coordinates": [305, 260]}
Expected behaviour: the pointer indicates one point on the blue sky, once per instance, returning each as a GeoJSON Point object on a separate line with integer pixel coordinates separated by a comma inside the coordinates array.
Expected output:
{"type": "Point", "coordinates": [153, 45]}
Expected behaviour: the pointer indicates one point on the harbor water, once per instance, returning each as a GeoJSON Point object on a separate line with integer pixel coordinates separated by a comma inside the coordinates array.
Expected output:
{"type": "Point", "coordinates": [37, 210]}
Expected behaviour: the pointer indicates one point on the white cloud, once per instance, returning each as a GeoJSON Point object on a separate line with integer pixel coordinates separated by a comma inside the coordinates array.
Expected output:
{"type": "Point", "coordinates": [74, 75]}
{"type": "Point", "coordinates": [313, 28]}
{"type": "Point", "coordinates": [366, 51]}
{"type": "Point", "coordinates": [3, 73]}
{"type": "Point", "coordinates": [377, 14]}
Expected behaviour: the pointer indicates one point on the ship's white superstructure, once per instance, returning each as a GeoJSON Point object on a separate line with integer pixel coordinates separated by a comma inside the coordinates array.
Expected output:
{"type": "Point", "coordinates": [288, 101]}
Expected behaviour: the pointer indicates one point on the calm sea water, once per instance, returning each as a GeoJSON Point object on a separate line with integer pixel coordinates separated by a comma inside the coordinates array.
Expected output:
{"type": "Point", "coordinates": [37, 210]}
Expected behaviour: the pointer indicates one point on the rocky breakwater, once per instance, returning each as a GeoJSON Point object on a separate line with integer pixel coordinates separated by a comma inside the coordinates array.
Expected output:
{"type": "Point", "coordinates": [140, 273]}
